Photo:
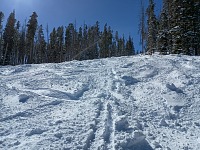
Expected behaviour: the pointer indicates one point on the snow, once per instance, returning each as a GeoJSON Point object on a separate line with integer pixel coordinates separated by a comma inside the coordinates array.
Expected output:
{"type": "Point", "coordinates": [138, 102]}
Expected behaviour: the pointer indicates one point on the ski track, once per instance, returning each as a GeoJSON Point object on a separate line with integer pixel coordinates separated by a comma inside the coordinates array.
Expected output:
{"type": "Point", "coordinates": [140, 103]}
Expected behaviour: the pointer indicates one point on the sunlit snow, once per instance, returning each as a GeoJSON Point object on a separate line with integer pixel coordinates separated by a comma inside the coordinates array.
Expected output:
{"type": "Point", "coordinates": [127, 103]}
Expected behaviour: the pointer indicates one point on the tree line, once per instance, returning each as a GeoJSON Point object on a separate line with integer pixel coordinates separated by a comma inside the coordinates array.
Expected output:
{"type": "Point", "coordinates": [175, 30]}
{"type": "Point", "coordinates": [27, 44]}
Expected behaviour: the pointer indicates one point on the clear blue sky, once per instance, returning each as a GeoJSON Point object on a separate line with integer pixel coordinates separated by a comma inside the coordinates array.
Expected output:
{"type": "Point", "coordinates": [121, 15]}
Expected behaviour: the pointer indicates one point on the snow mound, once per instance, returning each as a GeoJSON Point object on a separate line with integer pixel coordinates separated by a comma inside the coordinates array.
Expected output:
{"type": "Point", "coordinates": [172, 87]}
{"type": "Point", "coordinates": [23, 98]}
{"type": "Point", "coordinates": [35, 131]}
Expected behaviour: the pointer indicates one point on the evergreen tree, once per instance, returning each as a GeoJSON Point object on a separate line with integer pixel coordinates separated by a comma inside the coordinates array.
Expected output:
{"type": "Point", "coordinates": [31, 31]}
{"type": "Point", "coordinates": [142, 29]}
{"type": "Point", "coordinates": [176, 29]}
{"type": "Point", "coordinates": [28, 45]}
{"type": "Point", "coordinates": [103, 45]}
{"type": "Point", "coordinates": [184, 26]}
{"type": "Point", "coordinates": [151, 27]}
{"type": "Point", "coordinates": [60, 40]}
{"type": "Point", "coordinates": [80, 43]}
{"type": "Point", "coordinates": [53, 46]}
{"type": "Point", "coordinates": [106, 42]}
{"type": "Point", "coordinates": [197, 29]}
{"type": "Point", "coordinates": [91, 40]}
{"type": "Point", "coordinates": [15, 51]}
{"type": "Point", "coordinates": [117, 50]}
{"type": "Point", "coordinates": [22, 45]}
{"type": "Point", "coordinates": [114, 45]}
{"type": "Point", "coordinates": [130, 50]}
{"type": "Point", "coordinates": [70, 41]}
{"type": "Point", "coordinates": [1, 21]}
{"type": "Point", "coordinates": [121, 47]}
{"type": "Point", "coordinates": [84, 42]}
{"type": "Point", "coordinates": [1, 37]}
{"type": "Point", "coordinates": [109, 42]}
{"type": "Point", "coordinates": [190, 25]}
{"type": "Point", "coordinates": [41, 54]}
{"type": "Point", "coordinates": [163, 37]}
{"type": "Point", "coordinates": [8, 38]}
{"type": "Point", "coordinates": [96, 41]}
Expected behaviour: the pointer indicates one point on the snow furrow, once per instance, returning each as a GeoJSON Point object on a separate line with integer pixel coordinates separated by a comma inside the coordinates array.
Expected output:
{"type": "Point", "coordinates": [108, 125]}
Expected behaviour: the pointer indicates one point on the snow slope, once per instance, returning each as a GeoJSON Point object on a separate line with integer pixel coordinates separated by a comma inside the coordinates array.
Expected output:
{"type": "Point", "coordinates": [127, 103]}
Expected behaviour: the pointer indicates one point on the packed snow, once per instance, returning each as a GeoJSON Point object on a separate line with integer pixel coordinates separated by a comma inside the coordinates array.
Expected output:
{"type": "Point", "coordinates": [127, 103]}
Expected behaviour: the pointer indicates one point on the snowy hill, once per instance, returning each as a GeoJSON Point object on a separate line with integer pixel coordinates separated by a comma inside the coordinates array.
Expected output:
{"type": "Point", "coordinates": [140, 103]}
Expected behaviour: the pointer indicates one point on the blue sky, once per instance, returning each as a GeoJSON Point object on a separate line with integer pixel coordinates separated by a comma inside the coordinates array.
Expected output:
{"type": "Point", "coordinates": [121, 15]}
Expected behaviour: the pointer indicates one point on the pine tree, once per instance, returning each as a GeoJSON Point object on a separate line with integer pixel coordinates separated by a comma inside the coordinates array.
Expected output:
{"type": "Point", "coordinates": [70, 41]}
{"type": "Point", "coordinates": [53, 46]}
{"type": "Point", "coordinates": [31, 31]}
{"type": "Point", "coordinates": [109, 41]}
{"type": "Point", "coordinates": [117, 51]}
{"type": "Point", "coordinates": [40, 55]}
{"type": "Point", "coordinates": [96, 40]}
{"type": "Point", "coordinates": [8, 38]}
{"type": "Point", "coordinates": [190, 25]}
{"type": "Point", "coordinates": [1, 37]}
{"type": "Point", "coordinates": [1, 21]}
{"type": "Point", "coordinates": [142, 29]}
{"type": "Point", "coordinates": [80, 43]}
{"type": "Point", "coordinates": [106, 42]}
{"type": "Point", "coordinates": [15, 51]}
{"type": "Point", "coordinates": [84, 42]}
{"type": "Point", "coordinates": [163, 38]}
{"type": "Point", "coordinates": [103, 44]}
{"type": "Point", "coordinates": [151, 27]}
{"type": "Point", "coordinates": [22, 45]}
{"type": "Point", "coordinates": [176, 29]}
{"type": "Point", "coordinates": [90, 39]}
{"type": "Point", "coordinates": [121, 47]}
{"type": "Point", "coordinates": [197, 29]}
{"type": "Point", "coordinates": [28, 45]}
{"type": "Point", "coordinates": [114, 45]}
{"type": "Point", "coordinates": [130, 50]}
{"type": "Point", "coordinates": [184, 26]}
{"type": "Point", "coordinates": [90, 49]}
{"type": "Point", "coordinates": [60, 40]}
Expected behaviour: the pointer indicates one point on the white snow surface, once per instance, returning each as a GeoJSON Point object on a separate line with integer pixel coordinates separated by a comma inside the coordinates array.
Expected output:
{"type": "Point", "coordinates": [126, 103]}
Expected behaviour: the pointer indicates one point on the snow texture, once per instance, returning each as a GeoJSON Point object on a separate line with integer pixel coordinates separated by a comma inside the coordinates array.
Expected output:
{"type": "Point", "coordinates": [127, 103]}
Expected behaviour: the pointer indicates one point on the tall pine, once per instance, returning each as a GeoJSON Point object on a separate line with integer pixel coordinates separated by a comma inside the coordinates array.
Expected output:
{"type": "Point", "coordinates": [53, 46]}
{"type": "Point", "coordinates": [151, 28]}
{"type": "Point", "coordinates": [142, 28]}
{"type": "Point", "coordinates": [163, 37]}
{"type": "Point", "coordinates": [31, 32]}
{"type": "Point", "coordinates": [8, 38]}
{"type": "Point", "coordinates": [1, 37]}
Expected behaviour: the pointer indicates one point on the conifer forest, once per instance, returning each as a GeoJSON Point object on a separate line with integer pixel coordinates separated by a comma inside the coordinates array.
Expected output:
{"type": "Point", "coordinates": [175, 30]}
